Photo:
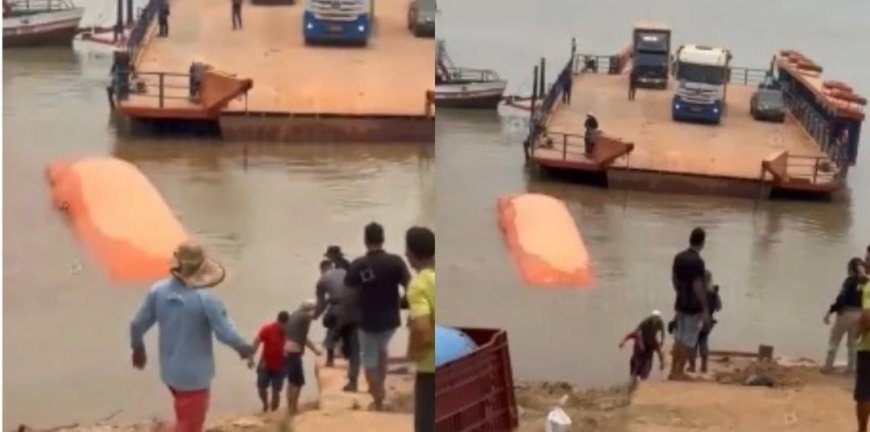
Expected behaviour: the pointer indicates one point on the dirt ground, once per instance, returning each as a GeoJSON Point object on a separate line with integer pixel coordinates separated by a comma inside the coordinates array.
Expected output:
{"type": "Point", "coordinates": [787, 395]}
{"type": "Point", "coordinates": [332, 412]}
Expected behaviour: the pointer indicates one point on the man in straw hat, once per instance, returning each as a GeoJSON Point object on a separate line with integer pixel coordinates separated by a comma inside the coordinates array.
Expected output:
{"type": "Point", "coordinates": [296, 335]}
{"type": "Point", "coordinates": [187, 315]}
{"type": "Point", "coordinates": [646, 344]}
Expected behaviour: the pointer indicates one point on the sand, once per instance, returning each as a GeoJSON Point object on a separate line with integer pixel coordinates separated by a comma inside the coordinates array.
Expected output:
{"type": "Point", "coordinates": [333, 411]}
{"type": "Point", "coordinates": [800, 400]}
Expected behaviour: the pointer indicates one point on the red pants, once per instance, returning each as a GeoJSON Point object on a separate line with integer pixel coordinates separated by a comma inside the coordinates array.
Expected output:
{"type": "Point", "coordinates": [190, 409]}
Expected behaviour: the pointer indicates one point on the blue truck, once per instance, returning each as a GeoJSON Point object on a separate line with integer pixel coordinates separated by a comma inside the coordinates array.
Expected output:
{"type": "Point", "coordinates": [338, 21]}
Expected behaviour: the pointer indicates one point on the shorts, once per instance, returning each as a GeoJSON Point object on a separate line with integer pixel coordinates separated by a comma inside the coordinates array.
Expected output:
{"type": "Point", "coordinates": [268, 378]}
{"type": "Point", "coordinates": [688, 329]}
{"type": "Point", "coordinates": [641, 363]}
{"type": "Point", "coordinates": [424, 402]}
{"type": "Point", "coordinates": [191, 407]}
{"type": "Point", "coordinates": [372, 344]}
{"type": "Point", "coordinates": [862, 377]}
{"type": "Point", "coordinates": [295, 371]}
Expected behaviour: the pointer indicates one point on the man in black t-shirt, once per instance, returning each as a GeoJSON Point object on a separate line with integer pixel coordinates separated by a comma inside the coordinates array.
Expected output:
{"type": "Point", "coordinates": [376, 278]}
{"type": "Point", "coordinates": [691, 302]}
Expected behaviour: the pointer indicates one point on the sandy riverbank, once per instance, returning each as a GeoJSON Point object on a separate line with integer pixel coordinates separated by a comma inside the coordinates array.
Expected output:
{"type": "Point", "coordinates": [333, 411]}
{"type": "Point", "coordinates": [800, 400]}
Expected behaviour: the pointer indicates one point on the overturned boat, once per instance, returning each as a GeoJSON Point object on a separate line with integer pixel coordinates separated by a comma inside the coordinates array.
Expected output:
{"type": "Point", "coordinates": [458, 87]}
{"type": "Point", "coordinates": [28, 23]}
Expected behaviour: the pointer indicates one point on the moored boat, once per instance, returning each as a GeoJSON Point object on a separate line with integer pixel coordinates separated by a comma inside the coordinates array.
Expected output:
{"type": "Point", "coordinates": [28, 23]}
{"type": "Point", "coordinates": [459, 87]}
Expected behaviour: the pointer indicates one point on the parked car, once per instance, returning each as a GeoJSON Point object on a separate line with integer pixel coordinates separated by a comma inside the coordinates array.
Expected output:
{"type": "Point", "coordinates": [421, 17]}
{"type": "Point", "coordinates": [767, 105]}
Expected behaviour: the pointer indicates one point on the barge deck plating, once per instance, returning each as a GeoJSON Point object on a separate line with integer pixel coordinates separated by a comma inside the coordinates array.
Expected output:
{"type": "Point", "coordinates": [641, 147]}
{"type": "Point", "coordinates": [298, 92]}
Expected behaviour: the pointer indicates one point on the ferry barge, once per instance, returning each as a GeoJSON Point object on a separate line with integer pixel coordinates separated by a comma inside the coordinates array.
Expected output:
{"type": "Point", "coordinates": [656, 143]}
{"type": "Point", "coordinates": [265, 83]}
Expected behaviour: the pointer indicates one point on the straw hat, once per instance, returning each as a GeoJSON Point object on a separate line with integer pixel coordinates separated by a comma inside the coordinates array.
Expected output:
{"type": "Point", "coordinates": [194, 268]}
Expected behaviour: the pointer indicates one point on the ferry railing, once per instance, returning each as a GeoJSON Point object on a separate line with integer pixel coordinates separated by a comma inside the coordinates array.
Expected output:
{"type": "Point", "coordinates": [162, 86]}
{"type": "Point", "coordinates": [140, 28]}
{"type": "Point", "coordinates": [747, 76]}
{"type": "Point", "coordinates": [607, 148]}
{"type": "Point", "coordinates": [541, 113]}
{"type": "Point", "coordinates": [595, 63]}
{"type": "Point", "coordinates": [815, 169]}
{"type": "Point", "coordinates": [817, 127]}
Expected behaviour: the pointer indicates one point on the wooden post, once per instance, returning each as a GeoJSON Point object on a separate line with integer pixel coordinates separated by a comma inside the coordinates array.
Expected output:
{"type": "Point", "coordinates": [564, 147]}
{"type": "Point", "coordinates": [543, 91]}
{"type": "Point", "coordinates": [129, 12]}
{"type": "Point", "coordinates": [160, 92]}
{"type": "Point", "coordinates": [119, 22]}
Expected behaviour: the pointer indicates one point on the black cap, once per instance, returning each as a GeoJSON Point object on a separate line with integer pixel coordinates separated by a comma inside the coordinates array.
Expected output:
{"type": "Point", "coordinates": [332, 250]}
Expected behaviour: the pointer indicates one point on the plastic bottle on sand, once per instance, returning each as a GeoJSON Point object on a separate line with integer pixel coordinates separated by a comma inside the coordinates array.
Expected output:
{"type": "Point", "coordinates": [557, 419]}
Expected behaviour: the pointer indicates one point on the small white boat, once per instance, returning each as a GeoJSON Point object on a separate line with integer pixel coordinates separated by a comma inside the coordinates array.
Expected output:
{"type": "Point", "coordinates": [29, 23]}
{"type": "Point", "coordinates": [457, 87]}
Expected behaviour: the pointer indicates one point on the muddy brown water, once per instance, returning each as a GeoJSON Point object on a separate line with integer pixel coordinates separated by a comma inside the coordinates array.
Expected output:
{"type": "Point", "coordinates": [779, 265]}
{"type": "Point", "coordinates": [267, 210]}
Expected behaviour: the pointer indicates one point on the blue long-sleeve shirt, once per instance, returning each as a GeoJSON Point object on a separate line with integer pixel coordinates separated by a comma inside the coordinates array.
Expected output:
{"type": "Point", "coordinates": [187, 318]}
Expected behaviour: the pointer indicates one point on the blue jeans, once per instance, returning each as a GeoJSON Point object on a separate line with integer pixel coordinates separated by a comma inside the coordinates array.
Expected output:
{"type": "Point", "coordinates": [688, 329]}
{"type": "Point", "coordinates": [372, 344]}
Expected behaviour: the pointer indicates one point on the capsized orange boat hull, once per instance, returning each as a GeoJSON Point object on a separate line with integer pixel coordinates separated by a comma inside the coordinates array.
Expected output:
{"type": "Point", "coordinates": [119, 215]}
{"type": "Point", "coordinates": [544, 241]}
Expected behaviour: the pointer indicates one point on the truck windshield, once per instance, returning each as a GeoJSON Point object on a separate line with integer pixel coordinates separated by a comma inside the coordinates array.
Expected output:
{"type": "Point", "coordinates": [651, 60]}
{"type": "Point", "coordinates": [651, 42]}
{"type": "Point", "coordinates": [705, 74]}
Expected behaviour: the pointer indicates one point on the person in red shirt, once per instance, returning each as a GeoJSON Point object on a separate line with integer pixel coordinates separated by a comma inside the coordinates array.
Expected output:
{"type": "Point", "coordinates": [271, 368]}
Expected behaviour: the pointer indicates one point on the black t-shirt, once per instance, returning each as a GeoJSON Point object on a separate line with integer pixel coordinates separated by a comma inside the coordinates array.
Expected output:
{"type": "Point", "coordinates": [688, 268]}
{"type": "Point", "coordinates": [649, 329]}
{"type": "Point", "coordinates": [376, 278]}
{"type": "Point", "coordinates": [341, 262]}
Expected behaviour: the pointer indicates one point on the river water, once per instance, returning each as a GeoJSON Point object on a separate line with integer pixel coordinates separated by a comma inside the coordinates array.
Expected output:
{"type": "Point", "coordinates": [779, 265]}
{"type": "Point", "coordinates": [267, 210]}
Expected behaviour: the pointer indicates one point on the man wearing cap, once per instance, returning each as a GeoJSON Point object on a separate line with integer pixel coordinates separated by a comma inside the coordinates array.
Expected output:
{"type": "Point", "coordinates": [187, 315]}
{"type": "Point", "coordinates": [591, 135]}
{"type": "Point", "coordinates": [336, 304]}
{"type": "Point", "coordinates": [334, 254]}
{"type": "Point", "coordinates": [375, 279]}
{"type": "Point", "coordinates": [296, 334]}
{"type": "Point", "coordinates": [646, 344]}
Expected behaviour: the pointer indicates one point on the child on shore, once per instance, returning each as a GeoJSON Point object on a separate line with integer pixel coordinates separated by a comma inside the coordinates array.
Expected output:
{"type": "Point", "coordinates": [715, 304]}
{"type": "Point", "coordinates": [646, 344]}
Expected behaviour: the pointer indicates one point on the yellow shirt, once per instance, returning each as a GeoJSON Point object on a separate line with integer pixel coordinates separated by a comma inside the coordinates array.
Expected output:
{"type": "Point", "coordinates": [864, 344]}
{"type": "Point", "coordinates": [421, 301]}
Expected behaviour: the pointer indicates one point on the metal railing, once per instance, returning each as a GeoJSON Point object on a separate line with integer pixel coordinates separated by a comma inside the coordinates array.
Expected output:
{"type": "Point", "coordinates": [162, 86]}
{"type": "Point", "coordinates": [541, 113]}
{"type": "Point", "coordinates": [140, 29]}
{"type": "Point", "coordinates": [596, 63]}
{"type": "Point", "coordinates": [748, 76]}
{"type": "Point", "coordinates": [25, 7]}
{"type": "Point", "coordinates": [815, 169]}
{"type": "Point", "coordinates": [572, 144]}
{"type": "Point", "coordinates": [471, 75]}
